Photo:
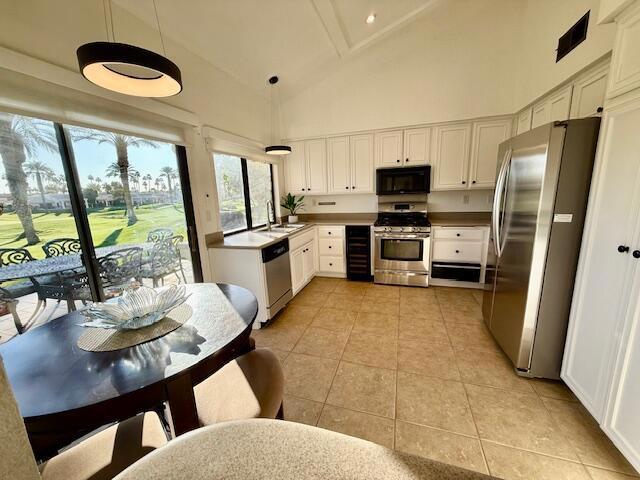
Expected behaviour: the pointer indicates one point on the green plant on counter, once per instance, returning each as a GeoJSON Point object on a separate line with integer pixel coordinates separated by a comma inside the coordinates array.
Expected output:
{"type": "Point", "coordinates": [291, 203]}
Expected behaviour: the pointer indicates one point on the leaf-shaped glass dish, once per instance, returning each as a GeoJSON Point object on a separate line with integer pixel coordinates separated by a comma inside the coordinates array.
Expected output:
{"type": "Point", "coordinates": [135, 308]}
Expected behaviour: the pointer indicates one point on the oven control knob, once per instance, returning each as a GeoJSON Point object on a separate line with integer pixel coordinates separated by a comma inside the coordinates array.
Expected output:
{"type": "Point", "coordinates": [402, 229]}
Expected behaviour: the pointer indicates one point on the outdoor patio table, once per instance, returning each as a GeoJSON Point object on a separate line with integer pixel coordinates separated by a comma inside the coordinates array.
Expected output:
{"type": "Point", "coordinates": [65, 392]}
{"type": "Point", "coordinates": [52, 265]}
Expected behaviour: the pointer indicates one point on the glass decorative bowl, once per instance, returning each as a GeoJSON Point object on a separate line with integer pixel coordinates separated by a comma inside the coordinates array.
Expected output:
{"type": "Point", "coordinates": [135, 308]}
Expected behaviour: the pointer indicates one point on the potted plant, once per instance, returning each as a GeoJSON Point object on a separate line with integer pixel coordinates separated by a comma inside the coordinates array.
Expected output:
{"type": "Point", "coordinates": [293, 204]}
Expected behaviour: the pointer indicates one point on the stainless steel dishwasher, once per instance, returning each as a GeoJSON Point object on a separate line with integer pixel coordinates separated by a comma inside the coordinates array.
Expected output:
{"type": "Point", "coordinates": [277, 269]}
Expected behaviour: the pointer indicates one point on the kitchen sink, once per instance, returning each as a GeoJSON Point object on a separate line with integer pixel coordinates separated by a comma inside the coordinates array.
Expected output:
{"type": "Point", "coordinates": [292, 227]}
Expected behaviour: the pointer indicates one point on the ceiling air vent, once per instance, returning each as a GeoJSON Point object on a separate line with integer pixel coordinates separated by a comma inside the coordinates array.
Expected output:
{"type": "Point", "coordinates": [574, 37]}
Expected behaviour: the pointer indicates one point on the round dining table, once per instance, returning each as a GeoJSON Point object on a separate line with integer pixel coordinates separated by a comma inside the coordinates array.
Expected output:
{"type": "Point", "coordinates": [65, 392]}
{"type": "Point", "coordinates": [53, 265]}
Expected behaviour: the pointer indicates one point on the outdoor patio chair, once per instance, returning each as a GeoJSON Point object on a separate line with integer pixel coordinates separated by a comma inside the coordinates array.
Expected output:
{"type": "Point", "coordinates": [20, 288]}
{"type": "Point", "coordinates": [8, 304]}
{"type": "Point", "coordinates": [116, 271]}
{"type": "Point", "coordinates": [159, 234]}
{"type": "Point", "coordinates": [61, 246]}
{"type": "Point", "coordinates": [164, 260]}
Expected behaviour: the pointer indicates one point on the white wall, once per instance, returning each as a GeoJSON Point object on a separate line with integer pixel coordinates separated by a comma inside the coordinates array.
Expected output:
{"type": "Point", "coordinates": [454, 62]}
{"type": "Point", "coordinates": [543, 22]}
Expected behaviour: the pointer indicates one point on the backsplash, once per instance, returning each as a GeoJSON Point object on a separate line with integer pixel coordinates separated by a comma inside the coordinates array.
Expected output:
{"type": "Point", "coordinates": [454, 201]}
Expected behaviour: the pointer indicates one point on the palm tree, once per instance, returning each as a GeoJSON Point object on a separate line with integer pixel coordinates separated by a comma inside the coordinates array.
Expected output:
{"type": "Point", "coordinates": [40, 171]}
{"type": "Point", "coordinates": [21, 137]}
{"type": "Point", "coordinates": [170, 174]}
{"type": "Point", "coordinates": [135, 177]}
{"type": "Point", "coordinates": [147, 181]}
{"type": "Point", "coordinates": [121, 167]}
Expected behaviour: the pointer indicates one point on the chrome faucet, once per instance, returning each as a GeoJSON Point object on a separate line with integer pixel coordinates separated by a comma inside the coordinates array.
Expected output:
{"type": "Point", "coordinates": [269, 204]}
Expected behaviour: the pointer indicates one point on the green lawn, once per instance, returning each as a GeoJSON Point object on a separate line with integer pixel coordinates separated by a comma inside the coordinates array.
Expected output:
{"type": "Point", "coordinates": [108, 226]}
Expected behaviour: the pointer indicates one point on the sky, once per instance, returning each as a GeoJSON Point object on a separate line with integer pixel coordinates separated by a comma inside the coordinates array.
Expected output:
{"type": "Point", "coordinates": [93, 159]}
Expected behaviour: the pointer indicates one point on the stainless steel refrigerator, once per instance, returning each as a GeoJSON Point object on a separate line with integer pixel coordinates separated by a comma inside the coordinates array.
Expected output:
{"type": "Point", "coordinates": [540, 200]}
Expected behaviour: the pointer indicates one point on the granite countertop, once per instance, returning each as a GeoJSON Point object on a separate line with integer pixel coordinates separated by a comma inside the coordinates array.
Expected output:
{"type": "Point", "coordinates": [256, 239]}
{"type": "Point", "coordinates": [460, 219]}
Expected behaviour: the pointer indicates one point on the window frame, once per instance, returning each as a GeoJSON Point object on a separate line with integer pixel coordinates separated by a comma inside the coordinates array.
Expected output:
{"type": "Point", "coordinates": [247, 196]}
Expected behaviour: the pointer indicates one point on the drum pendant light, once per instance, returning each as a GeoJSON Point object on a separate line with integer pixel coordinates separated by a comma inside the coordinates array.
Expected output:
{"type": "Point", "coordinates": [126, 68]}
{"type": "Point", "coordinates": [275, 149]}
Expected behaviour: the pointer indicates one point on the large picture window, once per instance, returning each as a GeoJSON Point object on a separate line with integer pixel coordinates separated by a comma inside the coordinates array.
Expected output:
{"type": "Point", "coordinates": [244, 188]}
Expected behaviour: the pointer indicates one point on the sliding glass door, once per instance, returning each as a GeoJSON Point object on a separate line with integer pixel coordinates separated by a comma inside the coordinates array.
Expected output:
{"type": "Point", "coordinates": [93, 212]}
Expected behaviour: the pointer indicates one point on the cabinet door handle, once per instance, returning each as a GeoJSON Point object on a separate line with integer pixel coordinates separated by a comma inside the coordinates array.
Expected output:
{"type": "Point", "coordinates": [464, 182]}
{"type": "Point", "coordinates": [623, 249]}
{"type": "Point", "coordinates": [457, 234]}
{"type": "Point", "coordinates": [407, 160]}
{"type": "Point", "coordinates": [457, 251]}
{"type": "Point", "coordinates": [303, 189]}
{"type": "Point", "coordinates": [347, 188]}
{"type": "Point", "coordinates": [599, 109]}
{"type": "Point", "coordinates": [331, 264]}
{"type": "Point", "coordinates": [329, 246]}
{"type": "Point", "coordinates": [398, 161]}
{"type": "Point", "coordinates": [473, 181]}
{"type": "Point", "coordinates": [636, 254]}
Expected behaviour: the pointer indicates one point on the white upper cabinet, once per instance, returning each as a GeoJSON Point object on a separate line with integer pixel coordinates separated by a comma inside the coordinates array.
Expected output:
{"type": "Point", "coordinates": [560, 104]}
{"type": "Point", "coordinates": [417, 146]}
{"type": "Point", "coordinates": [625, 63]}
{"type": "Point", "coordinates": [553, 108]}
{"type": "Point", "coordinates": [487, 137]}
{"type": "Point", "coordinates": [451, 145]}
{"type": "Point", "coordinates": [305, 167]}
{"type": "Point", "coordinates": [588, 93]}
{"type": "Point", "coordinates": [338, 165]}
{"type": "Point", "coordinates": [524, 121]}
{"type": "Point", "coordinates": [389, 148]}
{"type": "Point", "coordinates": [295, 169]}
{"type": "Point", "coordinates": [362, 164]}
{"type": "Point", "coordinates": [316, 166]}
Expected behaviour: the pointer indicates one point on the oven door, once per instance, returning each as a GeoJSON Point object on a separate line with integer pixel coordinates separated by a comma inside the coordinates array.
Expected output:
{"type": "Point", "coordinates": [402, 252]}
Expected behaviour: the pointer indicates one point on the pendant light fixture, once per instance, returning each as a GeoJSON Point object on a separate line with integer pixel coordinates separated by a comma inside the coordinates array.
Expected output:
{"type": "Point", "coordinates": [275, 149]}
{"type": "Point", "coordinates": [128, 69]}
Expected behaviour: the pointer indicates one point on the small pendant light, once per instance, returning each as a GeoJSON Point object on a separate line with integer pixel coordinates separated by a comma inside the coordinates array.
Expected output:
{"type": "Point", "coordinates": [275, 149]}
{"type": "Point", "coordinates": [126, 68]}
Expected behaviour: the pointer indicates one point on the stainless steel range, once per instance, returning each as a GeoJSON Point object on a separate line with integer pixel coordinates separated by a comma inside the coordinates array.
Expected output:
{"type": "Point", "coordinates": [402, 235]}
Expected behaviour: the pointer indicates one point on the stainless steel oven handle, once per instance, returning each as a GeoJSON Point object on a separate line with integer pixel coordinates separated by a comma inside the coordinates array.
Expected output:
{"type": "Point", "coordinates": [401, 236]}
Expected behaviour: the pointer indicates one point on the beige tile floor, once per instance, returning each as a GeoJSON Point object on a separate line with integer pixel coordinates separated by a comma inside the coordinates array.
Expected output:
{"type": "Point", "coordinates": [416, 370]}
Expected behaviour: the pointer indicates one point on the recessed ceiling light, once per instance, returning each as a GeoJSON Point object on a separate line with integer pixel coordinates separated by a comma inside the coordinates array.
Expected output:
{"type": "Point", "coordinates": [371, 18]}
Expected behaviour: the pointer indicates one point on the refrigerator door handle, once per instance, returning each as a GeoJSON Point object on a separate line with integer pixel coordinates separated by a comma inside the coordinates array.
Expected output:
{"type": "Point", "coordinates": [497, 196]}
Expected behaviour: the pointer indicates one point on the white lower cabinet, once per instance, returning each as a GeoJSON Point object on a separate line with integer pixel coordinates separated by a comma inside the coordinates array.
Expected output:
{"type": "Point", "coordinates": [303, 259]}
{"type": "Point", "coordinates": [331, 254]}
{"type": "Point", "coordinates": [602, 356]}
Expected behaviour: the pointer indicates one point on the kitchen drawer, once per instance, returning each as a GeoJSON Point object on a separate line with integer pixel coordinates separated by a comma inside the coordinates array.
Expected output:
{"type": "Point", "coordinates": [450, 251]}
{"type": "Point", "coordinates": [331, 264]}
{"type": "Point", "coordinates": [331, 231]}
{"type": "Point", "coordinates": [300, 239]}
{"type": "Point", "coordinates": [458, 233]}
{"type": "Point", "coordinates": [331, 246]}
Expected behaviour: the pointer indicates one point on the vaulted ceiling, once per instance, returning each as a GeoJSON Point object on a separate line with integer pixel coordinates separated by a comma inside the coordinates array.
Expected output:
{"type": "Point", "coordinates": [300, 40]}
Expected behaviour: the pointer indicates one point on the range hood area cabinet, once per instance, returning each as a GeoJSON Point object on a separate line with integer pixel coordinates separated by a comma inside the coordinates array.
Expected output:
{"type": "Point", "coordinates": [350, 164]}
{"type": "Point", "coordinates": [464, 155]}
{"type": "Point", "coordinates": [306, 167]}
{"type": "Point", "coordinates": [403, 148]}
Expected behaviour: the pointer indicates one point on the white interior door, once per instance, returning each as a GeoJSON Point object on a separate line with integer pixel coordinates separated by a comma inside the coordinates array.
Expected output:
{"type": "Point", "coordinates": [389, 148]}
{"type": "Point", "coordinates": [451, 156]}
{"type": "Point", "coordinates": [338, 165]}
{"type": "Point", "coordinates": [316, 163]}
{"type": "Point", "coordinates": [602, 283]}
{"type": "Point", "coordinates": [362, 165]}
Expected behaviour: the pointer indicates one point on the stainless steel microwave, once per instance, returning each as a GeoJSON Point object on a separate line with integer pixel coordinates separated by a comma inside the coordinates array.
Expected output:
{"type": "Point", "coordinates": [395, 181]}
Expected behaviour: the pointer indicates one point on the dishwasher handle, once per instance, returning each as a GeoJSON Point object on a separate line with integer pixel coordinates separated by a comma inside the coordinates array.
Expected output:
{"type": "Point", "coordinates": [274, 251]}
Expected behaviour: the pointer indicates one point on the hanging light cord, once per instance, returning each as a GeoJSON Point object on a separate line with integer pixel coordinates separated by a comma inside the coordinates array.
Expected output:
{"type": "Point", "coordinates": [108, 20]}
{"type": "Point", "coordinates": [155, 8]}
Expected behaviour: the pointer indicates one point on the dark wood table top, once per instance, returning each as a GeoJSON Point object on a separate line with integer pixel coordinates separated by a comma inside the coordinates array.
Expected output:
{"type": "Point", "coordinates": [50, 375]}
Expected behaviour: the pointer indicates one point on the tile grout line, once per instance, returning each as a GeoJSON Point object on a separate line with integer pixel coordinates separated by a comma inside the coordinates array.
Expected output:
{"type": "Point", "coordinates": [466, 394]}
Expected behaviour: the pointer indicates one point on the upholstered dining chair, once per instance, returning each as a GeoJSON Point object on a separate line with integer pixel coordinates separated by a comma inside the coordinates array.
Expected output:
{"type": "Point", "coordinates": [251, 386]}
{"type": "Point", "coordinates": [99, 457]}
